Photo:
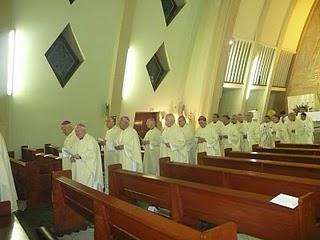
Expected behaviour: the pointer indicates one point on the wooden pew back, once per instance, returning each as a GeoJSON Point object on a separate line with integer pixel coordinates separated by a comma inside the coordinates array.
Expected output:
{"type": "Point", "coordinates": [263, 183]}
{"type": "Point", "coordinates": [33, 178]}
{"type": "Point", "coordinates": [29, 154]}
{"type": "Point", "coordinates": [49, 149]}
{"type": "Point", "coordinates": [191, 203]}
{"type": "Point", "coordinates": [264, 166]}
{"type": "Point", "coordinates": [292, 145]}
{"type": "Point", "coordinates": [307, 159]}
{"type": "Point", "coordinates": [111, 215]}
{"type": "Point", "coordinates": [300, 151]}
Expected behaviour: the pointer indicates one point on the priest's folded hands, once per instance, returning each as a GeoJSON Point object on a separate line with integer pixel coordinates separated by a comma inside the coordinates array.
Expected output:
{"type": "Point", "coordinates": [75, 157]}
{"type": "Point", "coordinates": [201, 140]}
{"type": "Point", "coordinates": [119, 147]}
{"type": "Point", "coordinates": [145, 142]}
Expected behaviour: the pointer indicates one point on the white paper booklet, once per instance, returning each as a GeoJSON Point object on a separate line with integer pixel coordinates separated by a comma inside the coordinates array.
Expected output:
{"type": "Point", "coordinates": [66, 152]}
{"type": "Point", "coordinates": [286, 201]}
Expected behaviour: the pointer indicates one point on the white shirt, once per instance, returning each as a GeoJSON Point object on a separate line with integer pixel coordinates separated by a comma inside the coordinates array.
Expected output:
{"type": "Point", "coordinates": [7, 187]}
{"type": "Point", "coordinates": [130, 156]}
{"type": "Point", "coordinates": [174, 137]}
{"type": "Point", "coordinates": [68, 144]}
{"type": "Point", "coordinates": [88, 169]}
{"type": "Point", "coordinates": [211, 145]}
{"type": "Point", "coordinates": [152, 152]}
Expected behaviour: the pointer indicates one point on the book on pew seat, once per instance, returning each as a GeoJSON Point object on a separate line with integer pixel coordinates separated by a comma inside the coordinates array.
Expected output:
{"type": "Point", "coordinates": [286, 201]}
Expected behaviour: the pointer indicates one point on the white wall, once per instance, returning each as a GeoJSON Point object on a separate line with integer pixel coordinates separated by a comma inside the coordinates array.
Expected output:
{"type": "Point", "coordinates": [149, 31]}
{"type": "Point", "coordinates": [248, 18]}
{"type": "Point", "coordinates": [39, 104]}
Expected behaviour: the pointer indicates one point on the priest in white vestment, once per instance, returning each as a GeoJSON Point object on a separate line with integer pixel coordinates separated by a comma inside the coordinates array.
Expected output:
{"type": "Point", "coordinates": [308, 118]}
{"type": "Point", "coordinates": [252, 135]}
{"type": "Point", "coordinates": [207, 138]}
{"type": "Point", "coordinates": [292, 126]}
{"type": "Point", "coordinates": [68, 144]}
{"type": "Point", "coordinates": [217, 125]}
{"type": "Point", "coordinates": [242, 129]}
{"type": "Point", "coordinates": [305, 130]}
{"type": "Point", "coordinates": [173, 143]}
{"type": "Point", "coordinates": [230, 133]}
{"type": "Point", "coordinates": [279, 130]}
{"type": "Point", "coordinates": [283, 116]}
{"type": "Point", "coordinates": [266, 139]}
{"type": "Point", "coordinates": [151, 144]}
{"type": "Point", "coordinates": [111, 155]}
{"type": "Point", "coordinates": [129, 147]}
{"type": "Point", "coordinates": [86, 160]}
{"type": "Point", "coordinates": [7, 187]}
{"type": "Point", "coordinates": [188, 132]}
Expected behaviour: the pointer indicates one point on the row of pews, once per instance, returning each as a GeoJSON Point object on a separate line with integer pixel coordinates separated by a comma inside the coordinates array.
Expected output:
{"type": "Point", "coordinates": [212, 200]}
{"type": "Point", "coordinates": [216, 193]}
{"type": "Point", "coordinates": [33, 174]}
{"type": "Point", "coordinates": [115, 218]}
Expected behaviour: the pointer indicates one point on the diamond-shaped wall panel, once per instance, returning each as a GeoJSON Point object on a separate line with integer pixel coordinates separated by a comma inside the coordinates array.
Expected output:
{"type": "Point", "coordinates": [171, 8]}
{"type": "Point", "coordinates": [63, 56]}
{"type": "Point", "coordinates": [158, 67]}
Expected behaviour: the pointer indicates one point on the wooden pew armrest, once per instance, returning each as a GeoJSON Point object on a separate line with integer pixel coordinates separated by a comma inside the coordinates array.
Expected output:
{"type": "Point", "coordinates": [5, 208]}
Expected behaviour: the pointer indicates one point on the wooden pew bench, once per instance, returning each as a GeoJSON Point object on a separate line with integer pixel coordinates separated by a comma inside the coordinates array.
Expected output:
{"type": "Point", "coordinates": [282, 157]}
{"type": "Point", "coordinates": [73, 203]}
{"type": "Point", "coordinates": [191, 203]}
{"type": "Point", "coordinates": [32, 177]}
{"type": "Point", "coordinates": [10, 228]}
{"type": "Point", "coordinates": [262, 183]}
{"type": "Point", "coordinates": [292, 145]}
{"type": "Point", "coordinates": [300, 151]}
{"type": "Point", "coordinates": [264, 166]}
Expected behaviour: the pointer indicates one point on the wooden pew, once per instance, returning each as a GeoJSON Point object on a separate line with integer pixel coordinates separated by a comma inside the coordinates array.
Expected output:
{"type": "Point", "coordinates": [49, 149]}
{"type": "Point", "coordinates": [33, 177]}
{"type": "Point", "coordinates": [28, 154]}
{"type": "Point", "coordinates": [191, 202]}
{"type": "Point", "coordinates": [11, 154]}
{"type": "Point", "coordinates": [264, 166]}
{"type": "Point", "coordinates": [292, 145]}
{"type": "Point", "coordinates": [263, 183]}
{"type": "Point", "coordinates": [10, 228]}
{"type": "Point", "coordinates": [45, 165]}
{"type": "Point", "coordinates": [282, 157]}
{"type": "Point", "coordinates": [300, 151]}
{"type": "Point", "coordinates": [116, 219]}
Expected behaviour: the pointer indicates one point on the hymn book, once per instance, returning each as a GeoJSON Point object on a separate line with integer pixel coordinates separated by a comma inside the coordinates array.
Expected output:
{"type": "Point", "coordinates": [286, 201]}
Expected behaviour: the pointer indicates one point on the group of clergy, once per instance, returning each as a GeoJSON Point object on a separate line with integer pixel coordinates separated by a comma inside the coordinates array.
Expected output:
{"type": "Point", "coordinates": [82, 154]}
{"type": "Point", "coordinates": [179, 141]}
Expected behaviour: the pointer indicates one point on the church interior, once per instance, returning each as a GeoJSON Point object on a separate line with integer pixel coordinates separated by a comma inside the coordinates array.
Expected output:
{"type": "Point", "coordinates": [145, 65]}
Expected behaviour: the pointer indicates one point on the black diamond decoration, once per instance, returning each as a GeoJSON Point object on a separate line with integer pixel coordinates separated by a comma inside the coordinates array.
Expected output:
{"type": "Point", "coordinates": [156, 72]}
{"type": "Point", "coordinates": [71, 1]}
{"type": "Point", "coordinates": [62, 60]}
{"type": "Point", "coordinates": [169, 9]}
